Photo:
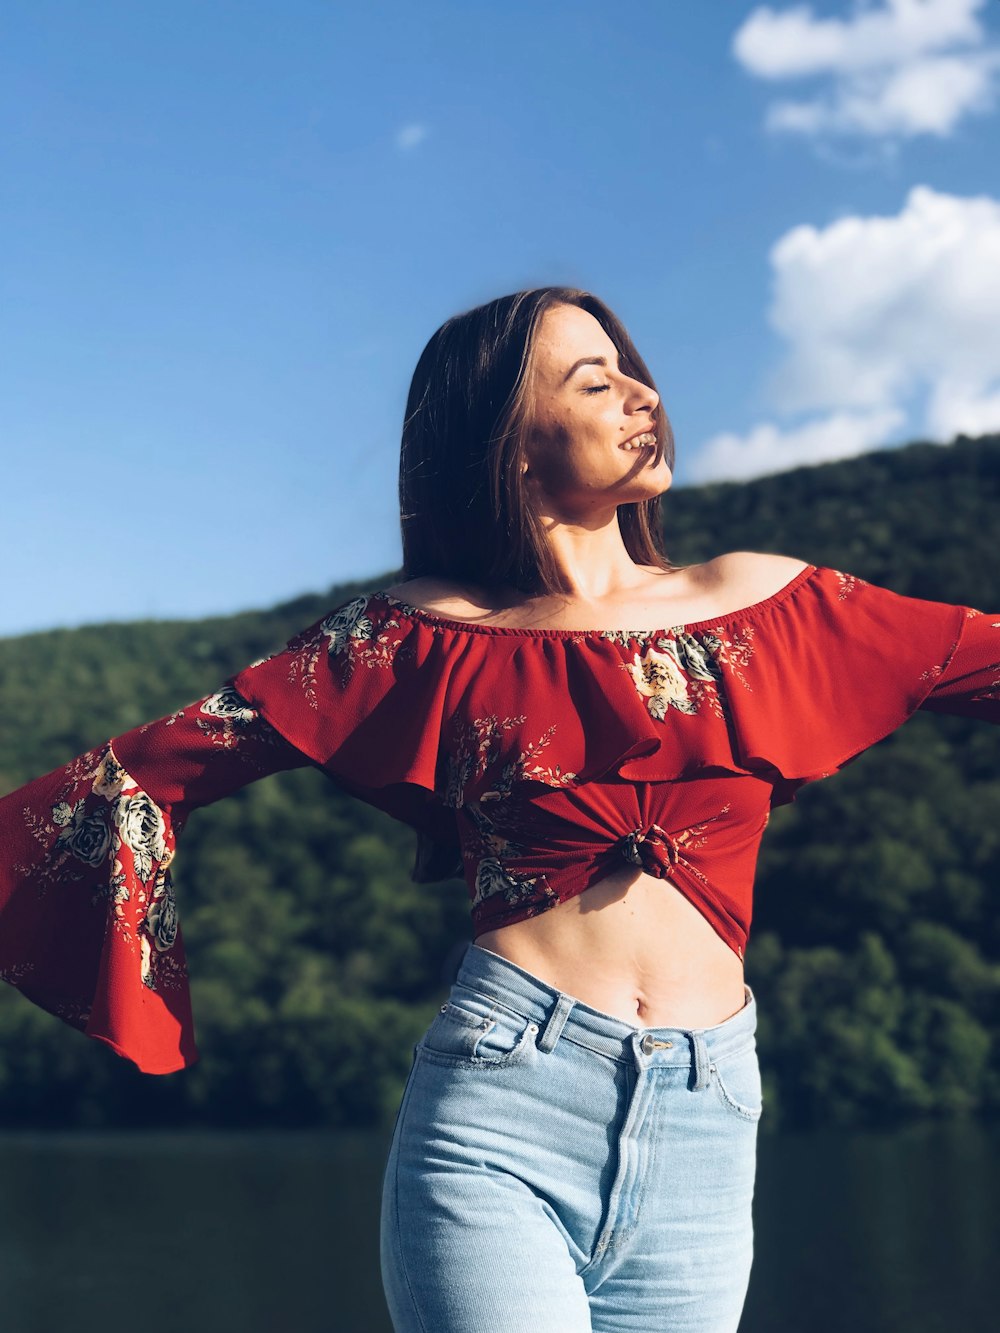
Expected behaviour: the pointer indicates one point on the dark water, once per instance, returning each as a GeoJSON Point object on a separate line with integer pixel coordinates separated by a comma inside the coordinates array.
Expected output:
{"type": "Point", "coordinates": [274, 1233]}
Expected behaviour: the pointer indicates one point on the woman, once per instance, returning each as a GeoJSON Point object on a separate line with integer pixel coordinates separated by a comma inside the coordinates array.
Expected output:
{"type": "Point", "coordinates": [594, 738]}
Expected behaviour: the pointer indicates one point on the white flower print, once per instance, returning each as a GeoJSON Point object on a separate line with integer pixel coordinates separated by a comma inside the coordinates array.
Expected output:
{"type": "Point", "coordinates": [659, 679]}
{"type": "Point", "coordinates": [161, 918]}
{"type": "Point", "coordinates": [141, 828]}
{"type": "Point", "coordinates": [109, 778]}
{"type": "Point", "coordinates": [85, 836]}
{"type": "Point", "coordinates": [351, 636]}
{"type": "Point", "coordinates": [347, 623]}
{"type": "Point", "coordinates": [227, 703]}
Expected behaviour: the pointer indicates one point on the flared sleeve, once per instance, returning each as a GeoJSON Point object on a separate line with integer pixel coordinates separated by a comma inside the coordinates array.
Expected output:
{"type": "Point", "coordinates": [88, 919]}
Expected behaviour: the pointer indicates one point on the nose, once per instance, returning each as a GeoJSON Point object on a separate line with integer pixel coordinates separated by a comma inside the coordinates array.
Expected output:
{"type": "Point", "coordinates": [643, 398]}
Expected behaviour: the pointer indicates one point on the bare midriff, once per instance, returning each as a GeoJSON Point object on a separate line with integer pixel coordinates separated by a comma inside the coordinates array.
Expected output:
{"type": "Point", "coordinates": [633, 946]}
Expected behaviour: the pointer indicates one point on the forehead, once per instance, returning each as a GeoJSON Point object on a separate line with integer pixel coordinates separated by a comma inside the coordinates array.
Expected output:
{"type": "Point", "coordinates": [566, 333]}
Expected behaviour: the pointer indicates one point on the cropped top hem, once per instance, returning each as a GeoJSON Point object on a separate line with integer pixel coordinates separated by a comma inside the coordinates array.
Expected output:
{"type": "Point", "coordinates": [700, 894]}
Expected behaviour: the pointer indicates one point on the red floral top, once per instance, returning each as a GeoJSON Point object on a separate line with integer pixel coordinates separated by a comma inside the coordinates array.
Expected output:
{"type": "Point", "coordinates": [534, 761]}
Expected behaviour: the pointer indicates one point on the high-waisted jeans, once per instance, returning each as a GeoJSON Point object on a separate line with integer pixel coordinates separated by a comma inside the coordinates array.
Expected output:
{"type": "Point", "coordinates": [554, 1169]}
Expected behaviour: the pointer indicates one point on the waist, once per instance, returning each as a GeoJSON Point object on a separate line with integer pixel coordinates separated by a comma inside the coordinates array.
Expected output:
{"type": "Point", "coordinates": [489, 974]}
{"type": "Point", "coordinates": [634, 946]}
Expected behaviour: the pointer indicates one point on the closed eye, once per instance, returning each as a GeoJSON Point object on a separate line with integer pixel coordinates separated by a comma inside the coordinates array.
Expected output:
{"type": "Point", "coordinates": [597, 388]}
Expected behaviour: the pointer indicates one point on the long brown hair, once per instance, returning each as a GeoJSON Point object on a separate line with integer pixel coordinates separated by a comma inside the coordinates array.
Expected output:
{"type": "Point", "coordinates": [464, 508]}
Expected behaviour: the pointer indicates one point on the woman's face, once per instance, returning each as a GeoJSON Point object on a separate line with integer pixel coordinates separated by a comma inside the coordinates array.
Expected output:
{"type": "Point", "coordinates": [590, 445]}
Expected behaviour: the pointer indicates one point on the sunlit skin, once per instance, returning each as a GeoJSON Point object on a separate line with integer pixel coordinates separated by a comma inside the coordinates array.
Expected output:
{"type": "Point", "coordinates": [577, 471]}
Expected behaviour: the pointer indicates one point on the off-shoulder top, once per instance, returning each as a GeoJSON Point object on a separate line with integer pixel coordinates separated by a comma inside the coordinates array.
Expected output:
{"type": "Point", "coordinates": [533, 761]}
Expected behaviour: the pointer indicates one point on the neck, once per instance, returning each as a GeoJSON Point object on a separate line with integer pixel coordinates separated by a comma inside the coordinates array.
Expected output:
{"type": "Point", "coordinates": [592, 560]}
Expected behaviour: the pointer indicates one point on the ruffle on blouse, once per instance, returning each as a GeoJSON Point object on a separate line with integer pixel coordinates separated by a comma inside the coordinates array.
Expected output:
{"type": "Point", "coordinates": [835, 671]}
{"type": "Point", "coordinates": [417, 714]}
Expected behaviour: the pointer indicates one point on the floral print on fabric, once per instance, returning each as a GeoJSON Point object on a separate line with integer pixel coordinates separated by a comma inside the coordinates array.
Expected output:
{"type": "Point", "coordinates": [88, 853]}
{"type": "Point", "coordinates": [350, 624]}
{"type": "Point", "coordinates": [227, 704]}
{"type": "Point", "coordinates": [141, 828]}
{"type": "Point", "coordinates": [991, 685]}
{"type": "Point", "coordinates": [225, 720]}
{"type": "Point", "coordinates": [974, 666]}
{"type": "Point", "coordinates": [108, 824]}
{"type": "Point", "coordinates": [684, 671]}
{"type": "Point", "coordinates": [664, 675]}
{"type": "Point", "coordinates": [84, 835]}
{"type": "Point", "coordinates": [846, 583]}
{"type": "Point", "coordinates": [492, 877]}
{"type": "Point", "coordinates": [348, 637]}
{"type": "Point", "coordinates": [475, 750]}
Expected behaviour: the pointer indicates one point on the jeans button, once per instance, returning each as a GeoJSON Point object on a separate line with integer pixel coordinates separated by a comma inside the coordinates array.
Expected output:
{"type": "Point", "coordinates": [649, 1044]}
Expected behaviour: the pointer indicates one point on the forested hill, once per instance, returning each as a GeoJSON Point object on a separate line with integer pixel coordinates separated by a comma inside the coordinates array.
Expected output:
{"type": "Point", "coordinates": [316, 963]}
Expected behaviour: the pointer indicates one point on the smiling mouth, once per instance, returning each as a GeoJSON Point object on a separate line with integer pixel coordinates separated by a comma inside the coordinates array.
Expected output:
{"type": "Point", "coordinates": [647, 440]}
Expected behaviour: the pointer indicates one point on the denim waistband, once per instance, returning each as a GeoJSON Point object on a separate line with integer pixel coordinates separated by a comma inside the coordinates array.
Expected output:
{"type": "Point", "coordinates": [558, 1014]}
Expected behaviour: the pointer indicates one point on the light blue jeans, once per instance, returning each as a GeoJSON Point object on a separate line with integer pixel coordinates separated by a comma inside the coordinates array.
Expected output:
{"type": "Point", "coordinates": [554, 1169]}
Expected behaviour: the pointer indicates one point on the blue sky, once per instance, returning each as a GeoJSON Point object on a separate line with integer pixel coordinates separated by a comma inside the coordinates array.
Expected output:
{"type": "Point", "coordinates": [228, 229]}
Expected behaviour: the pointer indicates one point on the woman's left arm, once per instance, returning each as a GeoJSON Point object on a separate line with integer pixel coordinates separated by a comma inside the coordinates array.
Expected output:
{"type": "Point", "coordinates": [968, 685]}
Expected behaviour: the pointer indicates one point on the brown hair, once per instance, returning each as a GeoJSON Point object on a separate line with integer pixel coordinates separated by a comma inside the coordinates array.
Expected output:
{"type": "Point", "coordinates": [464, 508]}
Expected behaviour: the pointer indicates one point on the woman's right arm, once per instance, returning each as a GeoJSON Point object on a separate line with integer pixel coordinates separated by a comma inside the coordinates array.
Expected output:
{"type": "Point", "coordinates": [88, 920]}
{"type": "Point", "coordinates": [88, 923]}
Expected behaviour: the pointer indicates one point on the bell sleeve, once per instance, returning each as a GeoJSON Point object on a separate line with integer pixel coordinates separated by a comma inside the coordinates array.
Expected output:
{"type": "Point", "coordinates": [88, 918]}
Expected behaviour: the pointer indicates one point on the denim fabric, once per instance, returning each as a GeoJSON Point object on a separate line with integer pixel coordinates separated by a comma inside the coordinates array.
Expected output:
{"type": "Point", "coordinates": [554, 1169]}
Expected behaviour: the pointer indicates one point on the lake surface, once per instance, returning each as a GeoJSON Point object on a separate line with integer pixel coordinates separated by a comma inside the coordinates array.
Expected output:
{"type": "Point", "coordinates": [278, 1233]}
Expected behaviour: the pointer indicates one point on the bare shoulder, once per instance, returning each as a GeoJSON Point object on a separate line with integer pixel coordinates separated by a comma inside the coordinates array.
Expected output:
{"type": "Point", "coordinates": [742, 578]}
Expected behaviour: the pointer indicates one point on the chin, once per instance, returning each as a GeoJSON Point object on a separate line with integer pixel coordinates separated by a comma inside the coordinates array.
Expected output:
{"type": "Point", "coordinates": [654, 481]}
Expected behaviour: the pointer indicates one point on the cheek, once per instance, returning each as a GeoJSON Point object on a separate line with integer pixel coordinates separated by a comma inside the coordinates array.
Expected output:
{"type": "Point", "coordinates": [551, 454]}
{"type": "Point", "coordinates": [567, 453]}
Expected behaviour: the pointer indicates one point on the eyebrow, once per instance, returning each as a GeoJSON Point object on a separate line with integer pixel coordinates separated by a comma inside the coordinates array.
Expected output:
{"type": "Point", "coordinates": [585, 361]}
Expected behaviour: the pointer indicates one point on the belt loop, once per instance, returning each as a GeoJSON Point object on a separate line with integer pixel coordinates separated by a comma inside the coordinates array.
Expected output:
{"type": "Point", "coordinates": [555, 1022]}
{"type": "Point", "coordinates": [701, 1064]}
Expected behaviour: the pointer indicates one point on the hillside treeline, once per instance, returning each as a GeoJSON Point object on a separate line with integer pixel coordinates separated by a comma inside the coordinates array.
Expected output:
{"type": "Point", "coordinates": [316, 963]}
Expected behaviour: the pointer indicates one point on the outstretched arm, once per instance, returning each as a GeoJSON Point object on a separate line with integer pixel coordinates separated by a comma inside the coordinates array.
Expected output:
{"type": "Point", "coordinates": [969, 685]}
{"type": "Point", "coordinates": [88, 920]}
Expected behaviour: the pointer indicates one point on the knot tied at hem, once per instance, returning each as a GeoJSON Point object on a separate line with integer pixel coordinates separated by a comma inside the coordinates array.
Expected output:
{"type": "Point", "coordinates": [652, 848]}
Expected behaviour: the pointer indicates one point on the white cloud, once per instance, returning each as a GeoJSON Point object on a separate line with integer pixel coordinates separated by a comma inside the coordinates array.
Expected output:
{"type": "Point", "coordinates": [879, 315]}
{"type": "Point", "coordinates": [875, 308]}
{"type": "Point", "coordinates": [410, 135]}
{"type": "Point", "coordinates": [960, 408]}
{"type": "Point", "coordinates": [768, 448]}
{"type": "Point", "coordinates": [891, 70]}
